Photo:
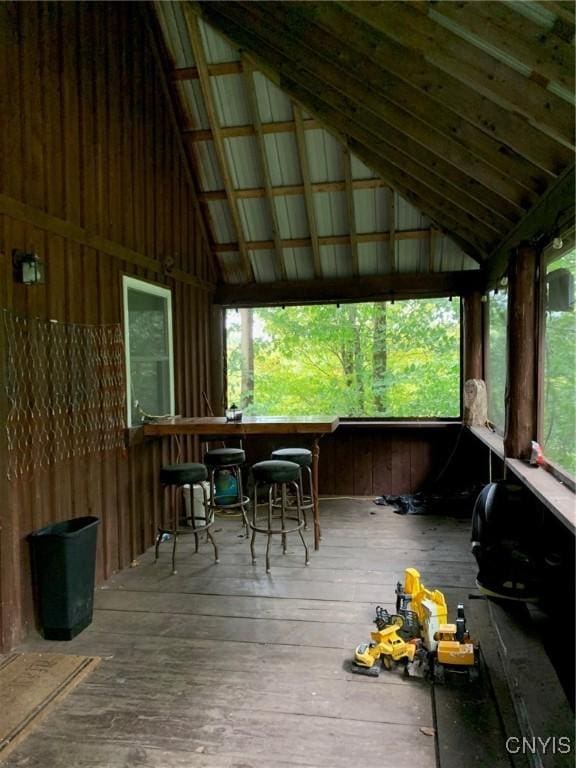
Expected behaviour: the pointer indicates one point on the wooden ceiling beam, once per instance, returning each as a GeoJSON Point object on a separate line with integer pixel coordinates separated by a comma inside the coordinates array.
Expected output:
{"type": "Point", "coordinates": [223, 68]}
{"type": "Point", "coordinates": [500, 196]}
{"type": "Point", "coordinates": [500, 26]}
{"type": "Point", "coordinates": [405, 109]}
{"type": "Point", "coordinates": [448, 206]}
{"type": "Point", "coordinates": [469, 64]}
{"type": "Point", "coordinates": [564, 10]}
{"type": "Point", "coordinates": [511, 131]}
{"type": "Point", "coordinates": [308, 194]}
{"type": "Point", "coordinates": [342, 290]}
{"type": "Point", "coordinates": [265, 170]}
{"type": "Point", "coordinates": [554, 209]}
{"type": "Point", "coordinates": [350, 205]}
{"type": "Point", "coordinates": [296, 189]}
{"type": "Point", "coordinates": [198, 50]}
{"type": "Point", "coordinates": [306, 242]}
{"type": "Point", "coordinates": [234, 131]}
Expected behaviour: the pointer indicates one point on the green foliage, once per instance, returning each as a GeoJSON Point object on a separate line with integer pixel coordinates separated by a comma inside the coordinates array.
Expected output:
{"type": "Point", "coordinates": [399, 359]}
{"type": "Point", "coordinates": [559, 429]}
{"type": "Point", "coordinates": [497, 358]}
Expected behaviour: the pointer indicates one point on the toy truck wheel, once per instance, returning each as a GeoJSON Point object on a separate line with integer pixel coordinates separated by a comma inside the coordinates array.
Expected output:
{"type": "Point", "coordinates": [387, 662]}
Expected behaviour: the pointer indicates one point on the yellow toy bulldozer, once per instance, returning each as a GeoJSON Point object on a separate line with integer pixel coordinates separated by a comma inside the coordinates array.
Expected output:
{"type": "Point", "coordinates": [387, 646]}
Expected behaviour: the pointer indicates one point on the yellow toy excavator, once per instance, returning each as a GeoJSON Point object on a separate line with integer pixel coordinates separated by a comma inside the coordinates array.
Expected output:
{"type": "Point", "coordinates": [455, 650]}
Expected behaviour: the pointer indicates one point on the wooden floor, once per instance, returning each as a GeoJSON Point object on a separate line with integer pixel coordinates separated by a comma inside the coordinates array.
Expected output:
{"type": "Point", "coordinates": [224, 666]}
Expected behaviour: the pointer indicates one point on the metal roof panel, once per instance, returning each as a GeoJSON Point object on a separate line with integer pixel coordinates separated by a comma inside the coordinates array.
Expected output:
{"type": "Point", "coordinates": [255, 217]}
{"type": "Point", "coordinates": [283, 159]}
{"type": "Point", "coordinates": [273, 104]}
{"type": "Point", "coordinates": [216, 48]}
{"type": "Point", "coordinates": [325, 156]}
{"type": "Point", "coordinates": [265, 266]}
{"type": "Point", "coordinates": [331, 210]}
{"type": "Point", "coordinates": [371, 210]}
{"type": "Point", "coordinates": [208, 167]}
{"type": "Point", "coordinates": [230, 100]}
{"type": "Point", "coordinates": [408, 217]}
{"type": "Point", "coordinates": [175, 32]}
{"type": "Point", "coordinates": [292, 216]}
{"type": "Point", "coordinates": [224, 231]}
{"type": "Point", "coordinates": [336, 260]}
{"type": "Point", "coordinates": [244, 162]}
{"type": "Point", "coordinates": [231, 266]}
{"type": "Point", "coordinates": [190, 97]}
{"type": "Point", "coordinates": [299, 263]}
{"type": "Point", "coordinates": [374, 258]}
{"type": "Point", "coordinates": [360, 170]}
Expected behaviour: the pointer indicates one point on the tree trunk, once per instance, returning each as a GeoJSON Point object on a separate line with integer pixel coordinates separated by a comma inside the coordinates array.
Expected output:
{"type": "Point", "coordinates": [379, 358]}
{"type": "Point", "coordinates": [247, 350]}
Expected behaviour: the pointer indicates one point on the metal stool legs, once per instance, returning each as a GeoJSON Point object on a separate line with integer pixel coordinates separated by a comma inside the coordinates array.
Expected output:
{"type": "Point", "coordinates": [270, 530]}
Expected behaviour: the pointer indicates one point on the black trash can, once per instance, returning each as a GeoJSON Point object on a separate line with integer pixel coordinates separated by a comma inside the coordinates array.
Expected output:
{"type": "Point", "coordinates": [63, 569]}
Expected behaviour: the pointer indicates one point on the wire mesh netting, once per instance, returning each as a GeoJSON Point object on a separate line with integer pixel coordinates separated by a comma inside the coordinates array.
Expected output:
{"type": "Point", "coordinates": [65, 388]}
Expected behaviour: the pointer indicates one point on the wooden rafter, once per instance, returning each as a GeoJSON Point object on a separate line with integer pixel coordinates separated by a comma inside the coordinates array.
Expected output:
{"type": "Point", "coordinates": [543, 52]}
{"type": "Point", "coordinates": [235, 131]}
{"type": "Point", "coordinates": [429, 191]}
{"type": "Point", "coordinates": [308, 194]}
{"type": "Point", "coordinates": [408, 118]}
{"type": "Point", "coordinates": [204, 78]}
{"type": "Point", "coordinates": [564, 9]}
{"type": "Point", "coordinates": [306, 242]}
{"type": "Point", "coordinates": [351, 211]}
{"type": "Point", "coordinates": [469, 64]}
{"type": "Point", "coordinates": [251, 92]}
{"type": "Point", "coordinates": [296, 189]}
{"type": "Point", "coordinates": [513, 137]}
{"type": "Point", "coordinates": [385, 287]}
{"type": "Point", "coordinates": [391, 125]}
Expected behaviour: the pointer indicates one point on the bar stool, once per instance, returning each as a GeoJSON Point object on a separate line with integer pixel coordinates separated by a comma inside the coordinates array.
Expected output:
{"type": "Point", "coordinates": [175, 477]}
{"type": "Point", "coordinates": [230, 460]}
{"type": "Point", "coordinates": [302, 457]}
{"type": "Point", "coordinates": [284, 474]}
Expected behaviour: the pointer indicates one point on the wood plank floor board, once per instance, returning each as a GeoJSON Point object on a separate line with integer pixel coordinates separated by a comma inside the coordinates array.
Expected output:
{"type": "Point", "coordinates": [224, 666]}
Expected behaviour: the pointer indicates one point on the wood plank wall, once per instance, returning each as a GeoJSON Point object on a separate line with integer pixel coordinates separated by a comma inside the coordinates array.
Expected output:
{"type": "Point", "coordinates": [383, 459]}
{"type": "Point", "coordinates": [92, 180]}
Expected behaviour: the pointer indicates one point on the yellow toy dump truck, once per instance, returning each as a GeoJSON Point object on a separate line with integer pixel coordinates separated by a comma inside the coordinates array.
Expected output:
{"type": "Point", "coordinates": [387, 646]}
{"type": "Point", "coordinates": [455, 651]}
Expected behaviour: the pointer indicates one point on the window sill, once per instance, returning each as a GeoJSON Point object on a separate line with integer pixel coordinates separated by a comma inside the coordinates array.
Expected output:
{"type": "Point", "coordinates": [556, 496]}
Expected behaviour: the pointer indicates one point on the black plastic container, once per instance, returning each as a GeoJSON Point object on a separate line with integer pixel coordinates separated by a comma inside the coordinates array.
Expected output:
{"type": "Point", "coordinates": [63, 568]}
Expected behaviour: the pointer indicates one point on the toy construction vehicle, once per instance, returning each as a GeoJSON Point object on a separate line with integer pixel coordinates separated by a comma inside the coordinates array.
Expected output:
{"type": "Point", "coordinates": [386, 646]}
{"type": "Point", "coordinates": [455, 651]}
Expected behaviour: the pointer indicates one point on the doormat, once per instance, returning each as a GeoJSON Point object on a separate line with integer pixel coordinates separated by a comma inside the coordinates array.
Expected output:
{"type": "Point", "coordinates": [31, 684]}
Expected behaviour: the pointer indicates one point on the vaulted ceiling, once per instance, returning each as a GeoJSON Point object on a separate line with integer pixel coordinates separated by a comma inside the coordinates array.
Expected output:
{"type": "Point", "coordinates": [402, 122]}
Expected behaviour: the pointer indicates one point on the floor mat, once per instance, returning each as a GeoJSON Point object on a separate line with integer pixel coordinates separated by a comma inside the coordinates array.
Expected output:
{"type": "Point", "coordinates": [31, 685]}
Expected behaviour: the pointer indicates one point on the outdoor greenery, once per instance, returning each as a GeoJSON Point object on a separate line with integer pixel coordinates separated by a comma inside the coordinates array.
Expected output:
{"type": "Point", "coordinates": [559, 428]}
{"type": "Point", "coordinates": [496, 378]}
{"type": "Point", "coordinates": [397, 359]}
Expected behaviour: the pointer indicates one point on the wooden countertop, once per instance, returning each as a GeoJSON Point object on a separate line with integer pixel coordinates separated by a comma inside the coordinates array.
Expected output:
{"type": "Point", "coordinates": [250, 425]}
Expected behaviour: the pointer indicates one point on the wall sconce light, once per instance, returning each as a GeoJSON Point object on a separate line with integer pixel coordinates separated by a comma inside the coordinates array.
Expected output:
{"type": "Point", "coordinates": [28, 267]}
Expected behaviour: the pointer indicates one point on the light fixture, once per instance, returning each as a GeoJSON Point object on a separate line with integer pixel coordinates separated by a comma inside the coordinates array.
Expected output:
{"type": "Point", "coordinates": [28, 267]}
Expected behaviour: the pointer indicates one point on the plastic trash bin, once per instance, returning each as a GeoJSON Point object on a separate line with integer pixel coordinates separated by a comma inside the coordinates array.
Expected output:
{"type": "Point", "coordinates": [63, 569]}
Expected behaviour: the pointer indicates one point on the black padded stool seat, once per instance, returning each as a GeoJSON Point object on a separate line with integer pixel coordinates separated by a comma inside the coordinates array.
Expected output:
{"type": "Point", "coordinates": [179, 480]}
{"type": "Point", "coordinates": [183, 474]}
{"type": "Point", "coordinates": [300, 456]}
{"type": "Point", "coordinates": [222, 456]}
{"type": "Point", "coordinates": [276, 476]}
{"type": "Point", "coordinates": [276, 471]}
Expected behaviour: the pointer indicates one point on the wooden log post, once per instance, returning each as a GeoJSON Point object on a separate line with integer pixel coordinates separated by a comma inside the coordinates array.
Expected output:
{"type": "Point", "coordinates": [473, 336]}
{"type": "Point", "coordinates": [521, 375]}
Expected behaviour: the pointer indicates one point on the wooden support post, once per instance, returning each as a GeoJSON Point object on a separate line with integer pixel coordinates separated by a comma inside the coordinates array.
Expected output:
{"type": "Point", "coordinates": [473, 368]}
{"type": "Point", "coordinates": [521, 358]}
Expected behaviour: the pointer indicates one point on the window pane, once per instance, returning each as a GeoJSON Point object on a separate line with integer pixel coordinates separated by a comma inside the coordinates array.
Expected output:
{"type": "Point", "coordinates": [373, 359]}
{"type": "Point", "coordinates": [497, 358]}
{"type": "Point", "coordinates": [148, 344]}
{"type": "Point", "coordinates": [559, 417]}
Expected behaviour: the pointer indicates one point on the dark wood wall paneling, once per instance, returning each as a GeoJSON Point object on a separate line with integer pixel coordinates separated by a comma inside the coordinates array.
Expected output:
{"type": "Point", "coordinates": [86, 139]}
{"type": "Point", "coordinates": [378, 460]}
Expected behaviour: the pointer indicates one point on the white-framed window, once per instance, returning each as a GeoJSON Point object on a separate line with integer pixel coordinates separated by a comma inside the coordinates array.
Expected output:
{"type": "Point", "coordinates": [149, 350]}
